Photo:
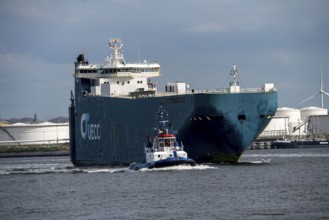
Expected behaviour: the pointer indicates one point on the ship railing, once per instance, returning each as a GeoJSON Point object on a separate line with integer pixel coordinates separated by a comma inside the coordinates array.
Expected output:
{"type": "Point", "coordinates": [98, 75]}
{"type": "Point", "coordinates": [247, 90]}
{"type": "Point", "coordinates": [206, 91]}
{"type": "Point", "coordinates": [216, 91]}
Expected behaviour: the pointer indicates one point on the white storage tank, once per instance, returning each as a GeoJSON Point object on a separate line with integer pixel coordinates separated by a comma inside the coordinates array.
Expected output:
{"type": "Point", "coordinates": [292, 113]}
{"type": "Point", "coordinates": [278, 126]}
{"type": "Point", "coordinates": [296, 122]}
{"type": "Point", "coordinates": [43, 133]}
{"type": "Point", "coordinates": [309, 111]}
{"type": "Point", "coordinates": [291, 120]}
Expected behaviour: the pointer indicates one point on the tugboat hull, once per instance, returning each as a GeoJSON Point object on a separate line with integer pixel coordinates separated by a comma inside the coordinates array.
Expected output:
{"type": "Point", "coordinates": [163, 163]}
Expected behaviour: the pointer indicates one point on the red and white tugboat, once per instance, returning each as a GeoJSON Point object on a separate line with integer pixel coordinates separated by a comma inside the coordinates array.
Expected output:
{"type": "Point", "coordinates": [165, 150]}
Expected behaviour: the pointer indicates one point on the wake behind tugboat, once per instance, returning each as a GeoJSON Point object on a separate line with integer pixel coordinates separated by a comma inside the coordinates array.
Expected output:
{"type": "Point", "coordinates": [165, 150]}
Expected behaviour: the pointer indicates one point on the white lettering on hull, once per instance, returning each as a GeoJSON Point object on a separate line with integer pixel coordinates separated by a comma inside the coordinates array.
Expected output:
{"type": "Point", "coordinates": [89, 131]}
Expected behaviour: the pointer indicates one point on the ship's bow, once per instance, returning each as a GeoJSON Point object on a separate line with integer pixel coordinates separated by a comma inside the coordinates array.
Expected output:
{"type": "Point", "coordinates": [223, 126]}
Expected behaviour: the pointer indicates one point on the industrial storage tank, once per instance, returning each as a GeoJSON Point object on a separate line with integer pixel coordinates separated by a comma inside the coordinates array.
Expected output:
{"type": "Point", "coordinates": [42, 133]}
{"type": "Point", "coordinates": [310, 111]}
{"type": "Point", "coordinates": [278, 127]}
{"type": "Point", "coordinates": [292, 113]}
{"type": "Point", "coordinates": [295, 122]}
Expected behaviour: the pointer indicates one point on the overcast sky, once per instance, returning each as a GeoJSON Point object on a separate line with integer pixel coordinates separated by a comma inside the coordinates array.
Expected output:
{"type": "Point", "coordinates": [282, 42]}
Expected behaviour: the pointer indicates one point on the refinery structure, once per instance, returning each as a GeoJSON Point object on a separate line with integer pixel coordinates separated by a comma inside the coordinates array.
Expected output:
{"type": "Point", "coordinates": [305, 123]}
{"type": "Point", "coordinates": [292, 123]}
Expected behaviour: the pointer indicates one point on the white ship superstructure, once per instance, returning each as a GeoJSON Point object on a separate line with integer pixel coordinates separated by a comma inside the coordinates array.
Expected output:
{"type": "Point", "coordinates": [116, 77]}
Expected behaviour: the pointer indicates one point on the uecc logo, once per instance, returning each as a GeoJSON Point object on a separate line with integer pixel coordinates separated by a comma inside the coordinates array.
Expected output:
{"type": "Point", "coordinates": [89, 131]}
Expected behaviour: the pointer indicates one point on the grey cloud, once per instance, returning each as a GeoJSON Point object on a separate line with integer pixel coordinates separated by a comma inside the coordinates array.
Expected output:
{"type": "Point", "coordinates": [195, 41]}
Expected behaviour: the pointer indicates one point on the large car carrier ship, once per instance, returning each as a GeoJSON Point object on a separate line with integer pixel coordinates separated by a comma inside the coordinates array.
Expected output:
{"type": "Point", "coordinates": [113, 106]}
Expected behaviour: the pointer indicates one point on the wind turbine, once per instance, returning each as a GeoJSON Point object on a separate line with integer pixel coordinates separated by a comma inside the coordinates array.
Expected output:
{"type": "Point", "coordinates": [321, 92]}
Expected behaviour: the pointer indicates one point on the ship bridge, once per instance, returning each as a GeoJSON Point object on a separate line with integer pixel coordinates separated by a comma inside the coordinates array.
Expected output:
{"type": "Point", "coordinates": [116, 77]}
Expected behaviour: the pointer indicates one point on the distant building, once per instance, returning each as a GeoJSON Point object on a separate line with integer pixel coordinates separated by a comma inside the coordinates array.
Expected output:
{"type": "Point", "coordinates": [318, 125]}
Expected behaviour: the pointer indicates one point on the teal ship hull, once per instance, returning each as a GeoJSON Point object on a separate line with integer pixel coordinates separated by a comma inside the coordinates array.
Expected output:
{"type": "Point", "coordinates": [214, 127]}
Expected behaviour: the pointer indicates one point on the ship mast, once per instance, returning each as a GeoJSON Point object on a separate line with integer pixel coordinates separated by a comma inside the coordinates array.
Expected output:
{"type": "Point", "coordinates": [234, 73]}
{"type": "Point", "coordinates": [234, 85]}
{"type": "Point", "coordinates": [116, 45]}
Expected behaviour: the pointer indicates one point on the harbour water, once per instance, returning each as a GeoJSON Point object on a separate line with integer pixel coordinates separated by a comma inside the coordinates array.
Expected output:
{"type": "Point", "coordinates": [266, 184]}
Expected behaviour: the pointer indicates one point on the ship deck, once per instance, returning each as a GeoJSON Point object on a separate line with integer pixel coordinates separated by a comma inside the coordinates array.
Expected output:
{"type": "Point", "coordinates": [144, 94]}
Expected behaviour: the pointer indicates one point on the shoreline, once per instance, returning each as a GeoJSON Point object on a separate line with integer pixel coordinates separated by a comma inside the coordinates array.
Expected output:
{"type": "Point", "coordinates": [34, 150]}
{"type": "Point", "coordinates": [34, 154]}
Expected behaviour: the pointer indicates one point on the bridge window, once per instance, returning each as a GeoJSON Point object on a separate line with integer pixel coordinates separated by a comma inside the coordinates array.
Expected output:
{"type": "Point", "coordinates": [110, 70]}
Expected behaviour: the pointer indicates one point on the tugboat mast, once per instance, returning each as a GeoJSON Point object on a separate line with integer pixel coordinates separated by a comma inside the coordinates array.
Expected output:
{"type": "Point", "coordinates": [162, 118]}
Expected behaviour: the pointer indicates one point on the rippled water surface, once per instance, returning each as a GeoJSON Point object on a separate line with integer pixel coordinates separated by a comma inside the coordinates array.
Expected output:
{"type": "Point", "coordinates": [266, 184]}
